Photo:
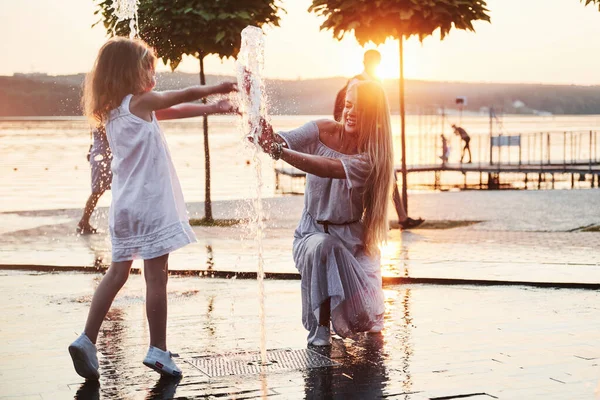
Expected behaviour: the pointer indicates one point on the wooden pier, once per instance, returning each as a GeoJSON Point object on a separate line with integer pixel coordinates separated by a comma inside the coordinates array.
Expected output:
{"type": "Point", "coordinates": [533, 160]}
{"type": "Point", "coordinates": [491, 176]}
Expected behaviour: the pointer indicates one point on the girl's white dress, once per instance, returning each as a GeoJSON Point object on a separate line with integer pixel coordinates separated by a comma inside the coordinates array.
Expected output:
{"type": "Point", "coordinates": [147, 217]}
{"type": "Point", "coordinates": [329, 243]}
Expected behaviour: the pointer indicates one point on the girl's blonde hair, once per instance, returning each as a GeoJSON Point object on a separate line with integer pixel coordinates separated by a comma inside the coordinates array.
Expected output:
{"type": "Point", "coordinates": [123, 66]}
{"type": "Point", "coordinates": [375, 139]}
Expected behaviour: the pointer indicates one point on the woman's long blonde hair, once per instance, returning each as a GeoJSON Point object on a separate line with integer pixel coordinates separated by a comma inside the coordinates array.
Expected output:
{"type": "Point", "coordinates": [123, 66]}
{"type": "Point", "coordinates": [375, 139]}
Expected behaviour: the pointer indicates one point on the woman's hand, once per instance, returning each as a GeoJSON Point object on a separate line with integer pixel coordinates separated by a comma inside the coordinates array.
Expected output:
{"type": "Point", "coordinates": [267, 136]}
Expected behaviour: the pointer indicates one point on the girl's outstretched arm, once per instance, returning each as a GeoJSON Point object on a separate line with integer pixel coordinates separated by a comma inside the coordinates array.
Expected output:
{"type": "Point", "coordinates": [144, 104]}
{"type": "Point", "coordinates": [188, 110]}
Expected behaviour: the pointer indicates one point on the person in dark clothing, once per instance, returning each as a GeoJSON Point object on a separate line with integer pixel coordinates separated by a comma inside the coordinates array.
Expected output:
{"type": "Point", "coordinates": [445, 150]}
{"type": "Point", "coordinates": [371, 60]}
{"type": "Point", "coordinates": [100, 158]}
{"type": "Point", "coordinates": [466, 138]}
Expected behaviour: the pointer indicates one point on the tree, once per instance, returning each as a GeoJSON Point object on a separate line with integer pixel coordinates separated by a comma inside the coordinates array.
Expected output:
{"type": "Point", "coordinates": [197, 28]}
{"type": "Point", "coordinates": [376, 21]}
{"type": "Point", "coordinates": [591, 2]}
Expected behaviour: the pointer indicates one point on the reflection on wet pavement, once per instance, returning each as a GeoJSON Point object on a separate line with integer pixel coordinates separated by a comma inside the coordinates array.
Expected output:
{"type": "Point", "coordinates": [362, 374]}
{"type": "Point", "coordinates": [461, 253]}
{"type": "Point", "coordinates": [437, 342]}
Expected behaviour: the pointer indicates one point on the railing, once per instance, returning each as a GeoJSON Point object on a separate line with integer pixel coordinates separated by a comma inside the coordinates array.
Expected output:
{"type": "Point", "coordinates": [546, 148]}
{"type": "Point", "coordinates": [573, 153]}
{"type": "Point", "coordinates": [504, 141]}
{"type": "Point", "coordinates": [532, 148]}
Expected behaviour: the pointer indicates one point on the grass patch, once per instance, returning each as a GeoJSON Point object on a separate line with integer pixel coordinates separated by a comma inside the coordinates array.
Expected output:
{"type": "Point", "coordinates": [215, 222]}
{"type": "Point", "coordinates": [593, 228]}
{"type": "Point", "coordinates": [430, 224]}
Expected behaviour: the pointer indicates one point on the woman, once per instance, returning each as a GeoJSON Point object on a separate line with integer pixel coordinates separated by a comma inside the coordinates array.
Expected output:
{"type": "Point", "coordinates": [349, 168]}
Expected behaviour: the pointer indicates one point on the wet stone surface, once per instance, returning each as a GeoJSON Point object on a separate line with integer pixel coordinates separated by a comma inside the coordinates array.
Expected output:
{"type": "Point", "coordinates": [526, 239]}
{"type": "Point", "coordinates": [438, 342]}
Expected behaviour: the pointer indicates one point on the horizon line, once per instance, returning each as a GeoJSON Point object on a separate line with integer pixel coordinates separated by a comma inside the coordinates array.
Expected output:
{"type": "Point", "coordinates": [33, 74]}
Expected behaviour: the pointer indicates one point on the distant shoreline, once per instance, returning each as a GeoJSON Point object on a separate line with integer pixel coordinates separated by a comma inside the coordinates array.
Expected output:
{"type": "Point", "coordinates": [81, 75]}
{"type": "Point", "coordinates": [79, 118]}
{"type": "Point", "coordinates": [42, 118]}
{"type": "Point", "coordinates": [38, 95]}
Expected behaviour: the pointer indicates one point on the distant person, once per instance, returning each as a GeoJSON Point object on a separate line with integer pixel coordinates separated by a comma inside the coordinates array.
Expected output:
{"type": "Point", "coordinates": [100, 158]}
{"type": "Point", "coordinates": [371, 60]}
{"type": "Point", "coordinates": [466, 138]}
{"type": "Point", "coordinates": [147, 218]}
{"type": "Point", "coordinates": [445, 150]}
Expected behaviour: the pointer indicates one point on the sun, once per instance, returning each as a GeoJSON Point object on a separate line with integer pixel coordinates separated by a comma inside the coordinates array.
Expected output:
{"type": "Point", "coordinates": [389, 68]}
{"type": "Point", "coordinates": [390, 64]}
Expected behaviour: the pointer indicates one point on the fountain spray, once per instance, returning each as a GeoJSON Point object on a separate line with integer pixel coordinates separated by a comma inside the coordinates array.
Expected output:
{"type": "Point", "coordinates": [127, 9]}
{"type": "Point", "coordinates": [253, 106]}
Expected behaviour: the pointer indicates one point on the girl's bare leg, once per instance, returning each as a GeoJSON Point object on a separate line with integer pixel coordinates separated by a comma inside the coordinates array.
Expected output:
{"type": "Point", "coordinates": [111, 283]}
{"type": "Point", "coordinates": [156, 273]}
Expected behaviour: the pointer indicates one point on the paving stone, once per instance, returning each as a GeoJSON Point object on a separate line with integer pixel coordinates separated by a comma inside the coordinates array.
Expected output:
{"type": "Point", "coordinates": [423, 352]}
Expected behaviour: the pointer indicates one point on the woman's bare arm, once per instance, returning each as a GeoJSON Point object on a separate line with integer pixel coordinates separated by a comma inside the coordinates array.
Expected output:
{"type": "Point", "coordinates": [320, 166]}
{"type": "Point", "coordinates": [323, 167]}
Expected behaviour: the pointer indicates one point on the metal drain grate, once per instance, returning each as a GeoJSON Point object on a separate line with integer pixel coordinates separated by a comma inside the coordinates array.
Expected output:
{"type": "Point", "coordinates": [249, 363]}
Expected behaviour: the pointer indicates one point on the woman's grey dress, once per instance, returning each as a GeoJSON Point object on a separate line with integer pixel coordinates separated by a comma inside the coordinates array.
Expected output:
{"type": "Point", "coordinates": [334, 264]}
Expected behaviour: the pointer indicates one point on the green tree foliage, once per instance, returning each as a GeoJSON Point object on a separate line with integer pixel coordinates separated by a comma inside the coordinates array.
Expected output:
{"type": "Point", "coordinates": [197, 28]}
{"type": "Point", "coordinates": [193, 27]}
{"type": "Point", "coordinates": [377, 20]}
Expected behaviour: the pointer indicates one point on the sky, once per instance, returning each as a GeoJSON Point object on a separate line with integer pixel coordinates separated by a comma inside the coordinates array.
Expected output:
{"type": "Point", "coordinates": [528, 41]}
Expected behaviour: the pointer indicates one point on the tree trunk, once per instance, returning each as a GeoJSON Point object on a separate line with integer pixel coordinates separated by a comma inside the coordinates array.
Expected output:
{"type": "Point", "coordinates": [207, 203]}
{"type": "Point", "coordinates": [403, 126]}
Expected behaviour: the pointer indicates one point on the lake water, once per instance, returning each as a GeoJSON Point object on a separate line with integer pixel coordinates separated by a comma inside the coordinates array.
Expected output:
{"type": "Point", "coordinates": [43, 161]}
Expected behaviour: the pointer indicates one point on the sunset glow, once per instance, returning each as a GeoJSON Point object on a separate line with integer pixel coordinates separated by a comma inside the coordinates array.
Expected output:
{"type": "Point", "coordinates": [390, 64]}
{"type": "Point", "coordinates": [496, 52]}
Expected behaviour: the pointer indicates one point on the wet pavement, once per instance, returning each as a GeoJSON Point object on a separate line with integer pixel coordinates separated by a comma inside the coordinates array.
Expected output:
{"type": "Point", "coordinates": [439, 342]}
{"type": "Point", "coordinates": [522, 236]}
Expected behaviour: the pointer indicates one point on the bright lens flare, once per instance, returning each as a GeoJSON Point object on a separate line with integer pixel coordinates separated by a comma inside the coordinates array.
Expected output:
{"type": "Point", "coordinates": [388, 69]}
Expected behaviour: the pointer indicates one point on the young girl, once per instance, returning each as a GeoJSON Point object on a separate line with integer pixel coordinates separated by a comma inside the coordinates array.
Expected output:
{"type": "Point", "coordinates": [147, 218]}
{"type": "Point", "coordinates": [349, 168]}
